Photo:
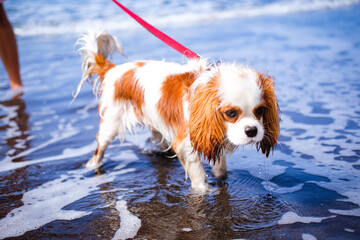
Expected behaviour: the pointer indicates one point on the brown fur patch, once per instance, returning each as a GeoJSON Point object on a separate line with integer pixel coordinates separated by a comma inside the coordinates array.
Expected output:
{"type": "Point", "coordinates": [140, 64]}
{"type": "Point", "coordinates": [101, 66]}
{"type": "Point", "coordinates": [207, 126]}
{"type": "Point", "coordinates": [97, 150]}
{"type": "Point", "coordinates": [128, 89]}
{"type": "Point", "coordinates": [271, 118]}
{"type": "Point", "coordinates": [170, 105]}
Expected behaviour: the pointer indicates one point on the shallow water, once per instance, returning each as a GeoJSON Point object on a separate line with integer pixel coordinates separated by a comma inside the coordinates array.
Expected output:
{"type": "Point", "coordinates": [309, 188]}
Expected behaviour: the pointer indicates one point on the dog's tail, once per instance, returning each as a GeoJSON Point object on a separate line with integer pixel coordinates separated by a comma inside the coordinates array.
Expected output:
{"type": "Point", "coordinates": [95, 48]}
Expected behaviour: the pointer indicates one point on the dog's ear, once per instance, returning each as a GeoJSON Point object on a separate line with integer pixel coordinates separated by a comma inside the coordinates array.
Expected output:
{"type": "Point", "coordinates": [271, 117]}
{"type": "Point", "coordinates": [206, 124]}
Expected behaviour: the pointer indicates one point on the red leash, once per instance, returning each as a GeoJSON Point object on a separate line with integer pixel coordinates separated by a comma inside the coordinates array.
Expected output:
{"type": "Point", "coordinates": [162, 36]}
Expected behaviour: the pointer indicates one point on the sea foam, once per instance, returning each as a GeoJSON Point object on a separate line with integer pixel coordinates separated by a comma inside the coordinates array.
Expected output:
{"type": "Point", "coordinates": [45, 203]}
{"type": "Point", "coordinates": [157, 13]}
{"type": "Point", "coordinates": [129, 223]}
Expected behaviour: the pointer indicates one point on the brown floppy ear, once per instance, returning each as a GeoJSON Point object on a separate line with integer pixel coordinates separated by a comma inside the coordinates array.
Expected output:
{"type": "Point", "coordinates": [206, 124]}
{"type": "Point", "coordinates": [271, 117]}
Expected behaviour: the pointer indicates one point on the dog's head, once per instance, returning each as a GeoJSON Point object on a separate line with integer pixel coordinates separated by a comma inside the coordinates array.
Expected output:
{"type": "Point", "coordinates": [231, 106]}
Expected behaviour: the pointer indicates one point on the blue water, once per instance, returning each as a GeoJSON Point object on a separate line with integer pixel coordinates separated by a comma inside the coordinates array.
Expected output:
{"type": "Point", "coordinates": [309, 188]}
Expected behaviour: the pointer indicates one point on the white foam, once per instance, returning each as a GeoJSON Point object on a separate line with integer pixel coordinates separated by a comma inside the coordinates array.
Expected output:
{"type": "Point", "coordinates": [354, 212]}
{"type": "Point", "coordinates": [178, 15]}
{"type": "Point", "coordinates": [117, 189]}
{"type": "Point", "coordinates": [45, 203]}
{"type": "Point", "coordinates": [306, 236]}
{"type": "Point", "coordinates": [291, 217]}
{"type": "Point", "coordinates": [7, 164]}
{"type": "Point", "coordinates": [129, 223]}
{"type": "Point", "coordinates": [187, 229]}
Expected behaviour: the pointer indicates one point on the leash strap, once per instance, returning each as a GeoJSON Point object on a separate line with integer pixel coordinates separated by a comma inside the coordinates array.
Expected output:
{"type": "Point", "coordinates": [162, 36]}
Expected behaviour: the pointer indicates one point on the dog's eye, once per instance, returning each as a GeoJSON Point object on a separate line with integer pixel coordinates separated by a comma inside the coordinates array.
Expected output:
{"type": "Point", "coordinates": [260, 111]}
{"type": "Point", "coordinates": [231, 113]}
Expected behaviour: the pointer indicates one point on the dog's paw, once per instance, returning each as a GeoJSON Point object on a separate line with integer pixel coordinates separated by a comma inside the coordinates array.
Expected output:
{"type": "Point", "coordinates": [202, 188]}
{"type": "Point", "coordinates": [93, 163]}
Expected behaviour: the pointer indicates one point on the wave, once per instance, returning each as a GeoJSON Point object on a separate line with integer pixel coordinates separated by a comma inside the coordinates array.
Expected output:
{"type": "Point", "coordinates": [46, 21]}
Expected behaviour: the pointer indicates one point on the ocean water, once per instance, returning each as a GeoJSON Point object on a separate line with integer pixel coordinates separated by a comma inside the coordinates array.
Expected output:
{"type": "Point", "coordinates": [308, 189]}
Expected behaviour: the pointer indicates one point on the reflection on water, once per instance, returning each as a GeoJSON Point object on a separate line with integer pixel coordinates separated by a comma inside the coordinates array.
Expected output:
{"type": "Point", "coordinates": [15, 125]}
{"type": "Point", "coordinates": [169, 208]}
{"type": "Point", "coordinates": [15, 138]}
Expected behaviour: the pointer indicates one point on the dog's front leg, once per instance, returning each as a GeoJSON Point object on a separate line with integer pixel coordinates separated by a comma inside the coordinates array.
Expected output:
{"type": "Point", "coordinates": [192, 164]}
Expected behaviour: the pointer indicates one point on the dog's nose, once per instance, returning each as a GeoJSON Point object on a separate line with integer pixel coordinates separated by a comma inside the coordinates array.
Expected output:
{"type": "Point", "coordinates": [251, 131]}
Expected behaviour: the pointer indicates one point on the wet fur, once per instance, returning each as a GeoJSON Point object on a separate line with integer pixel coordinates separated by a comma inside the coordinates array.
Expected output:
{"type": "Point", "coordinates": [191, 106]}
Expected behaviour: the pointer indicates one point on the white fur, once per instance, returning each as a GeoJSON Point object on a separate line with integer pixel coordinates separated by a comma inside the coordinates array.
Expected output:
{"type": "Point", "coordinates": [236, 133]}
{"type": "Point", "coordinates": [122, 112]}
{"type": "Point", "coordinates": [239, 87]}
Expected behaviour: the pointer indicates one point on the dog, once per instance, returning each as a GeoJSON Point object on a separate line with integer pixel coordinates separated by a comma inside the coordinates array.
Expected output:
{"type": "Point", "coordinates": [201, 110]}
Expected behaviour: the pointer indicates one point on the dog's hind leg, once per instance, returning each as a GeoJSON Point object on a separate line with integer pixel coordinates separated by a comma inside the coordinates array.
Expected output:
{"type": "Point", "coordinates": [219, 167]}
{"type": "Point", "coordinates": [107, 132]}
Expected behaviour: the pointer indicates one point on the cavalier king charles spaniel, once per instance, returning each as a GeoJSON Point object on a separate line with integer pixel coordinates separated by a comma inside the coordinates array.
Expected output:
{"type": "Point", "coordinates": [200, 110]}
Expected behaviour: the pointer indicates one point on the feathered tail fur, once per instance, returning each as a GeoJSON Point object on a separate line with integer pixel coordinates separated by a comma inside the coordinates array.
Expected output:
{"type": "Point", "coordinates": [95, 48]}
